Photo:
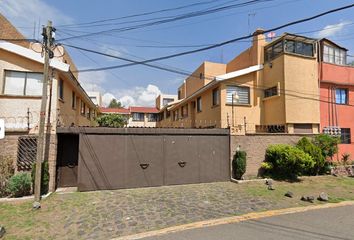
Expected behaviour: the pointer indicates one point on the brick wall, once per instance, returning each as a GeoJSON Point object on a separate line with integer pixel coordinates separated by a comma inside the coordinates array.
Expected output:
{"type": "Point", "coordinates": [255, 146]}
{"type": "Point", "coordinates": [8, 148]}
{"type": "Point", "coordinates": [8, 31]}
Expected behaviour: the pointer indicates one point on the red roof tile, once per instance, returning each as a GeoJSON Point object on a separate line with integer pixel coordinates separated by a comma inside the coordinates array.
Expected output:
{"type": "Point", "coordinates": [115, 110]}
{"type": "Point", "coordinates": [144, 109]}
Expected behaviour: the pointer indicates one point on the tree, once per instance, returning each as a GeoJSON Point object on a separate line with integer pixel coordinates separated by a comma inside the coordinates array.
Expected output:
{"type": "Point", "coordinates": [351, 63]}
{"type": "Point", "coordinates": [328, 144]}
{"type": "Point", "coordinates": [112, 120]}
{"type": "Point", "coordinates": [115, 104]}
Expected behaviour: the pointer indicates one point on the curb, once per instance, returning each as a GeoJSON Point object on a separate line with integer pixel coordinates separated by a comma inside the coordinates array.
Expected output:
{"type": "Point", "coordinates": [26, 198]}
{"type": "Point", "coordinates": [235, 219]}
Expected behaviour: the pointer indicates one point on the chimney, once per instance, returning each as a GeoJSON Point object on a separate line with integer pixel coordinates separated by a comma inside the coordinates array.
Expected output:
{"type": "Point", "coordinates": [257, 44]}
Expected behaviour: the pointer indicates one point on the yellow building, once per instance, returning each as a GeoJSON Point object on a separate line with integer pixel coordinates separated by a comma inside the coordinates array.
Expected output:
{"type": "Point", "coordinates": [270, 87]}
{"type": "Point", "coordinates": [21, 83]}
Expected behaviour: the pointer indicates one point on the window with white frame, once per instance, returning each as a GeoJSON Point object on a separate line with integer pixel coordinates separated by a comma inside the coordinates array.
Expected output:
{"type": "Point", "coordinates": [216, 94]}
{"type": "Point", "coordinates": [334, 55]}
{"type": "Point", "coordinates": [199, 104]}
{"type": "Point", "coordinates": [152, 117]}
{"type": "Point", "coordinates": [23, 83]}
{"type": "Point", "coordinates": [61, 89]}
{"type": "Point", "coordinates": [138, 116]}
{"type": "Point", "coordinates": [342, 96]}
{"type": "Point", "coordinates": [243, 94]}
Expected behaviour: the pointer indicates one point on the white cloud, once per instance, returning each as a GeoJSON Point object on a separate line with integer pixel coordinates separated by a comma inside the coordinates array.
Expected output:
{"type": "Point", "coordinates": [93, 81]}
{"type": "Point", "coordinates": [113, 50]}
{"type": "Point", "coordinates": [107, 98]}
{"type": "Point", "coordinates": [25, 13]}
{"type": "Point", "coordinates": [332, 30]}
{"type": "Point", "coordinates": [139, 96]}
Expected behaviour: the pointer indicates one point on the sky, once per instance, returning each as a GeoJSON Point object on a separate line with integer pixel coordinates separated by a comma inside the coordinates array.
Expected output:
{"type": "Point", "coordinates": [139, 85]}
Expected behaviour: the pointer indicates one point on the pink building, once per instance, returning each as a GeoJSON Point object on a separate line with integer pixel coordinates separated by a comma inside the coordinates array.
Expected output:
{"type": "Point", "coordinates": [337, 95]}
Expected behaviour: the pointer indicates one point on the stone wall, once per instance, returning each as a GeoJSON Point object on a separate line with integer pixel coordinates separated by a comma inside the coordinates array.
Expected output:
{"type": "Point", "coordinates": [255, 146]}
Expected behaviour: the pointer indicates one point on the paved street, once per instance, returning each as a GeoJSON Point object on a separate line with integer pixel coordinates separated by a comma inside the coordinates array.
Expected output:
{"type": "Point", "coordinates": [110, 214]}
{"type": "Point", "coordinates": [332, 223]}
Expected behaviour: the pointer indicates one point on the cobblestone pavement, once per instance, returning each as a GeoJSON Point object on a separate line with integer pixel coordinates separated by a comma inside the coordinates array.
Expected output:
{"type": "Point", "coordinates": [109, 214]}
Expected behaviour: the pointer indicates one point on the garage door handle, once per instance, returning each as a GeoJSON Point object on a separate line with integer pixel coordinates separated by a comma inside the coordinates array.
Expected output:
{"type": "Point", "coordinates": [182, 164]}
{"type": "Point", "coordinates": [70, 165]}
{"type": "Point", "coordinates": [144, 165]}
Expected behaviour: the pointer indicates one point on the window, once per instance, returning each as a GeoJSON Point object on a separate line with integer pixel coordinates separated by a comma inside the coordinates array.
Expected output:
{"type": "Point", "coordinates": [89, 113]}
{"type": "Point", "coordinates": [345, 136]}
{"type": "Point", "coordinates": [290, 46]}
{"type": "Point", "coordinates": [165, 101]}
{"type": "Point", "coordinates": [201, 75]}
{"type": "Point", "coordinates": [334, 55]}
{"type": "Point", "coordinates": [61, 89]}
{"type": "Point", "coordinates": [273, 51]}
{"type": "Point", "coordinates": [82, 107]}
{"type": "Point", "coordinates": [216, 96]}
{"type": "Point", "coordinates": [273, 91]}
{"type": "Point", "coordinates": [185, 110]}
{"type": "Point", "coordinates": [179, 94]}
{"type": "Point", "coordinates": [73, 100]}
{"type": "Point", "coordinates": [242, 92]}
{"type": "Point", "coordinates": [175, 115]}
{"type": "Point", "coordinates": [168, 114]}
{"type": "Point", "coordinates": [341, 96]}
{"type": "Point", "coordinates": [23, 83]}
{"type": "Point", "coordinates": [152, 117]}
{"type": "Point", "coordinates": [138, 117]}
{"type": "Point", "coordinates": [199, 104]}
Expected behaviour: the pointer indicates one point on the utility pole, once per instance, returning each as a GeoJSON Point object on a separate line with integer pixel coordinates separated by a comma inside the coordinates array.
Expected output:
{"type": "Point", "coordinates": [47, 44]}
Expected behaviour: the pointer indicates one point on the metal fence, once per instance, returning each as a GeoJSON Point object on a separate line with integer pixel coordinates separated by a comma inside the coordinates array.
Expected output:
{"type": "Point", "coordinates": [26, 152]}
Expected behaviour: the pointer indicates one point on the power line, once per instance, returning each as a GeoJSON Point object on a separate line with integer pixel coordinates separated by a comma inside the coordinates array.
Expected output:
{"type": "Point", "coordinates": [204, 48]}
{"type": "Point", "coordinates": [293, 93]}
{"type": "Point", "coordinates": [180, 17]}
{"type": "Point", "coordinates": [141, 14]}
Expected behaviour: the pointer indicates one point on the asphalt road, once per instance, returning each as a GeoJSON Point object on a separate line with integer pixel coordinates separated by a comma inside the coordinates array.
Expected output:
{"type": "Point", "coordinates": [331, 223]}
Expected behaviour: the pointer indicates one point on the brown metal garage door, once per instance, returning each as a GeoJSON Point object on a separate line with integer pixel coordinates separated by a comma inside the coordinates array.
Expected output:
{"type": "Point", "coordinates": [129, 158]}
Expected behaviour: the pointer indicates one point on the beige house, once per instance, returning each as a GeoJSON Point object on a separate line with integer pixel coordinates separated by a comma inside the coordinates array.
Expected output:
{"type": "Point", "coordinates": [21, 82]}
{"type": "Point", "coordinates": [136, 116]}
{"type": "Point", "coordinates": [270, 87]}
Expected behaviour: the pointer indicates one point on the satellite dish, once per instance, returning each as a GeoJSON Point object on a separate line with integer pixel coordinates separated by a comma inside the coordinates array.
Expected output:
{"type": "Point", "coordinates": [59, 51]}
{"type": "Point", "coordinates": [36, 46]}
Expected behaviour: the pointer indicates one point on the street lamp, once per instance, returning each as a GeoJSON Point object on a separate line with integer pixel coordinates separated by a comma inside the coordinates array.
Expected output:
{"type": "Point", "coordinates": [236, 98]}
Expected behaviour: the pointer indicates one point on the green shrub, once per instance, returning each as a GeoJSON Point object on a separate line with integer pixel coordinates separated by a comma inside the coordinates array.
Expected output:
{"type": "Point", "coordinates": [112, 120]}
{"type": "Point", "coordinates": [6, 172]}
{"type": "Point", "coordinates": [327, 144]}
{"type": "Point", "coordinates": [19, 185]}
{"type": "Point", "coordinates": [315, 152]}
{"type": "Point", "coordinates": [287, 162]}
{"type": "Point", "coordinates": [45, 177]}
{"type": "Point", "coordinates": [239, 164]}
{"type": "Point", "coordinates": [345, 158]}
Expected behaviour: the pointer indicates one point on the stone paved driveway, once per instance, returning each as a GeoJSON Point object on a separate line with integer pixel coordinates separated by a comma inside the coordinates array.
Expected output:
{"type": "Point", "coordinates": [109, 214]}
{"type": "Point", "coordinates": [117, 213]}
